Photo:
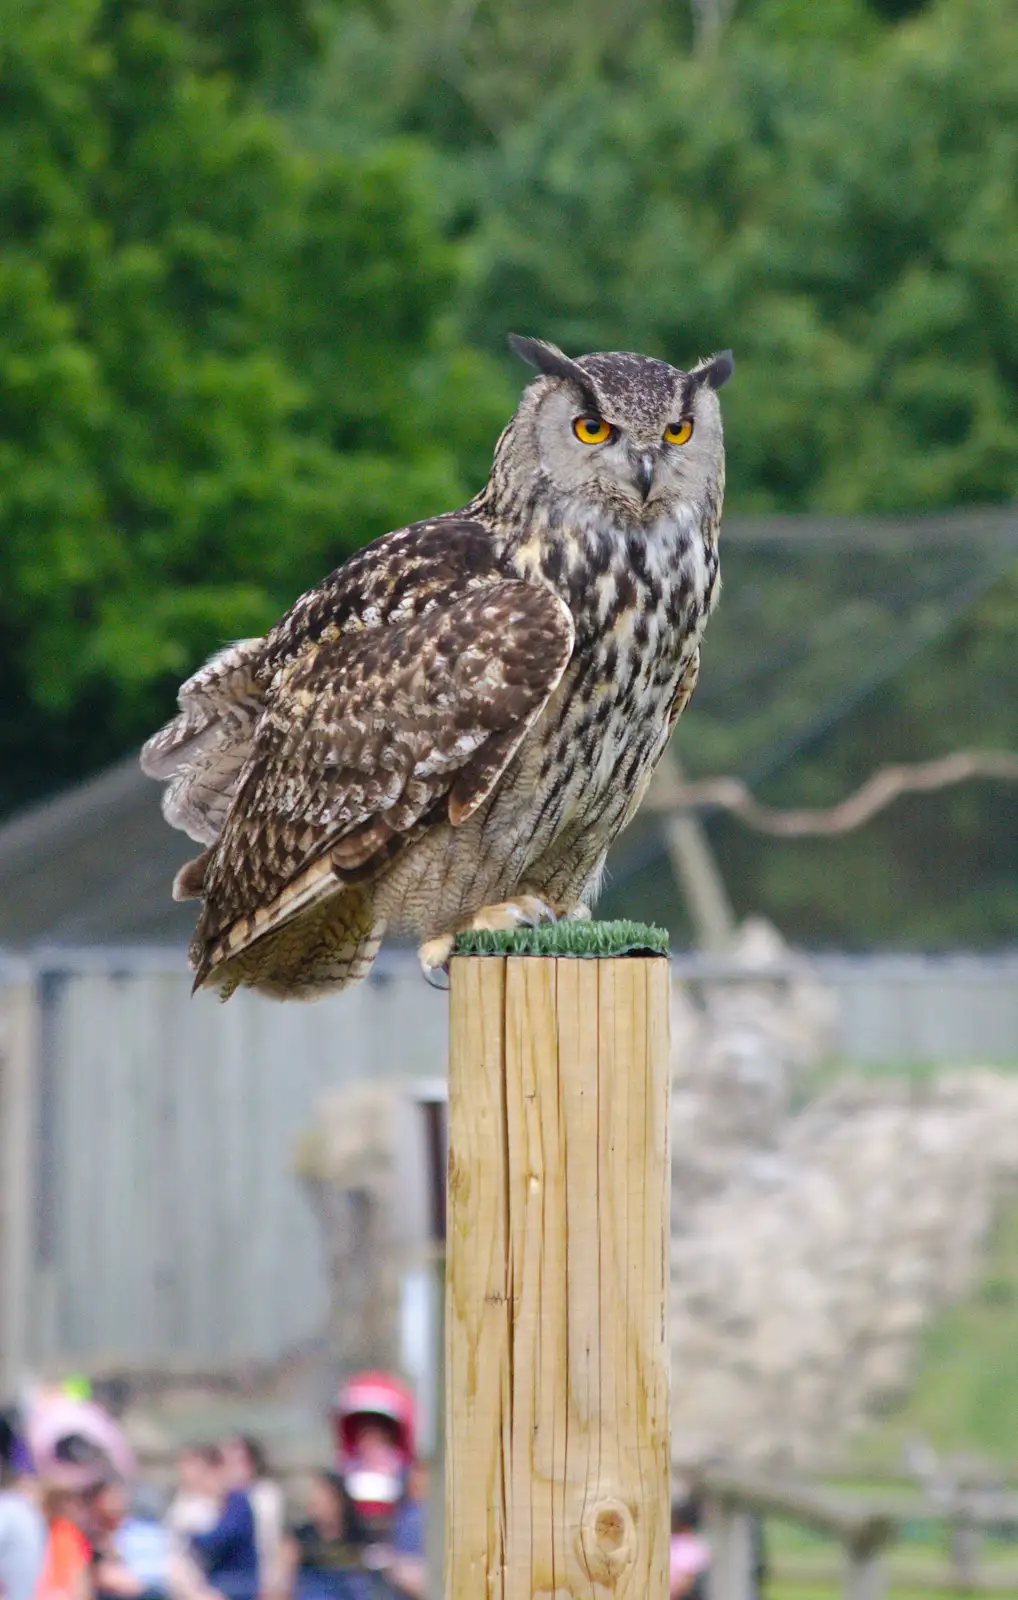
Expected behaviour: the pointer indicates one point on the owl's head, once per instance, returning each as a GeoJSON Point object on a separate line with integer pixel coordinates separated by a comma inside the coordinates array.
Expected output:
{"type": "Point", "coordinates": [625, 432]}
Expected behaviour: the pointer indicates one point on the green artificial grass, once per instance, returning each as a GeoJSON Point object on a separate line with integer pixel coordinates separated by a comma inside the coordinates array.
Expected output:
{"type": "Point", "coordinates": [567, 939]}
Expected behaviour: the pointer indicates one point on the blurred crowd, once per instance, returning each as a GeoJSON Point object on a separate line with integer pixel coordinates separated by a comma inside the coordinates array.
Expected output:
{"type": "Point", "coordinates": [79, 1521]}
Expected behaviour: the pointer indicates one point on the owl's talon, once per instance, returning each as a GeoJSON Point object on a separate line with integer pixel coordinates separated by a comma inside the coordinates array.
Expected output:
{"type": "Point", "coordinates": [433, 956]}
{"type": "Point", "coordinates": [522, 911]}
{"type": "Point", "coordinates": [578, 913]}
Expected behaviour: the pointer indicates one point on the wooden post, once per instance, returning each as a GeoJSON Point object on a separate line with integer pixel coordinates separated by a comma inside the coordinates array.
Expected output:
{"type": "Point", "coordinates": [557, 1376]}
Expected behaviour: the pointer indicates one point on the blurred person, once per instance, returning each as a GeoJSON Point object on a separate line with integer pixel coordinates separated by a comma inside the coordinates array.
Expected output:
{"type": "Point", "coordinates": [104, 1513]}
{"type": "Point", "coordinates": [67, 1560]}
{"type": "Point", "coordinates": [22, 1540]}
{"type": "Point", "coordinates": [137, 1548]}
{"type": "Point", "coordinates": [375, 1482]}
{"type": "Point", "coordinates": [144, 1543]}
{"type": "Point", "coordinates": [22, 1525]}
{"type": "Point", "coordinates": [74, 1442]}
{"type": "Point", "coordinates": [248, 1469]}
{"type": "Point", "coordinates": [322, 1558]}
{"type": "Point", "coordinates": [15, 1457]}
{"type": "Point", "coordinates": [376, 1455]}
{"type": "Point", "coordinates": [224, 1558]}
{"type": "Point", "coordinates": [191, 1509]}
{"type": "Point", "coordinates": [407, 1570]}
{"type": "Point", "coordinates": [76, 1446]}
{"type": "Point", "coordinates": [689, 1556]}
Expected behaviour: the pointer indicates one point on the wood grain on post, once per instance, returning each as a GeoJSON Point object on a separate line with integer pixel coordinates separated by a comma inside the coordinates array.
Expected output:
{"type": "Point", "coordinates": [557, 1361]}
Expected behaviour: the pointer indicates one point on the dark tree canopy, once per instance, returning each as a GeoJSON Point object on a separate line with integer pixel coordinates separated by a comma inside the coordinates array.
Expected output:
{"type": "Point", "coordinates": [221, 369]}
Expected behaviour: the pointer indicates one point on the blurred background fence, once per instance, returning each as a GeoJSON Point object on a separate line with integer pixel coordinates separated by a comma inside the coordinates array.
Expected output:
{"type": "Point", "coordinates": [157, 1217]}
{"type": "Point", "coordinates": [149, 1209]}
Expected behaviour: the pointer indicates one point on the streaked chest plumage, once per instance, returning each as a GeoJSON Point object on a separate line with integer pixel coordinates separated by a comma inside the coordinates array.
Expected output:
{"type": "Point", "coordinates": [639, 597]}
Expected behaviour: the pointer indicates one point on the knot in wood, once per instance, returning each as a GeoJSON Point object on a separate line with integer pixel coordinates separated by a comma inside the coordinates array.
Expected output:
{"type": "Point", "coordinates": [607, 1540]}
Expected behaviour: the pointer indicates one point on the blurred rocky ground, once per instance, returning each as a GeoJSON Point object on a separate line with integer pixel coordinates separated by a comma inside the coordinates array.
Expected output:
{"type": "Point", "coordinates": [814, 1234]}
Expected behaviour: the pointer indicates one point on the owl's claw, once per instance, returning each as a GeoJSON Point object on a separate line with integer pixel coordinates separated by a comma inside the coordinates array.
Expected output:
{"type": "Point", "coordinates": [523, 911]}
{"type": "Point", "coordinates": [578, 913]}
{"type": "Point", "coordinates": [434, 955]}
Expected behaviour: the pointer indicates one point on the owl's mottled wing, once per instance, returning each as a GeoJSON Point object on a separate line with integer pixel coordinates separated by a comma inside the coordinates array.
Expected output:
{"type": "Point", "coordinates": [202, 751]}
{"type": "Point", "coordinates": [367, 737]}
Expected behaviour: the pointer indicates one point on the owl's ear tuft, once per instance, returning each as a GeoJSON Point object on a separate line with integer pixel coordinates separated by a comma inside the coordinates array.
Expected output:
{"type": "Point", "coordinates": [553, 363]}
{"type": "Point", "coordinates": [537, 353]}
{"type": "Point", "coordinates": [716, 371]}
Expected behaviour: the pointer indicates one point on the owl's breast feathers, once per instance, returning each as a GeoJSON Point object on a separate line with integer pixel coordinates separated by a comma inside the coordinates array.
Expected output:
{"type": "Point", "coordinates": [639, 598]}
{"type": "Point", "coordinates": [392, 696]}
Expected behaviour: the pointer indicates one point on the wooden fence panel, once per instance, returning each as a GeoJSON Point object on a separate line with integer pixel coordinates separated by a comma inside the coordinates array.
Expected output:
{"type": "Point", "coordinates": [168, 1225]}
{"type": "Point", "coordinates": [18, 1049]}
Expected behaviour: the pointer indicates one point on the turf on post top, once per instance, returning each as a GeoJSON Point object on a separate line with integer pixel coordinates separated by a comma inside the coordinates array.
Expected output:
{"type": "Point", "coordinates": [557, 1358]}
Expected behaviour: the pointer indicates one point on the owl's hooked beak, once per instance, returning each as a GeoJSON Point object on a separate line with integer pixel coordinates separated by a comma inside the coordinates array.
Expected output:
{"type": "Point", "coordinates": [643, 472]}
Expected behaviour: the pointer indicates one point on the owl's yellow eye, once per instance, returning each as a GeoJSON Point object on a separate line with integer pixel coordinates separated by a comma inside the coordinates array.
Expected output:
{"type": "Point", "coordinates": [679, 432]}
{"type": "Point", "coordinates": [592, 430]}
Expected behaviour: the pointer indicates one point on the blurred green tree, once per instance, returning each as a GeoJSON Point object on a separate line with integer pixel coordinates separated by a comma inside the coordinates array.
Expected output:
{"type": "Point", "coordinates": [846, 219]}
{"type": "Point", "coordinates": [221, 365]}
{"type": "Point", "coordinates": [831, 193]}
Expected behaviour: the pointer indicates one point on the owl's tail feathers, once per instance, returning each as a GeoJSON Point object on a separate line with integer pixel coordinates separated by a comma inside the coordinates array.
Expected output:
{"type": "Point", "coordinates": [325, 947]}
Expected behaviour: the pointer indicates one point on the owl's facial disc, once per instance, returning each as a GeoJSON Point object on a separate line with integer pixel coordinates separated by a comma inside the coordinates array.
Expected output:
{"type": "Point", "coordinates": [603, 457]}
{"type": "Point", "coordinates": [622, 435]}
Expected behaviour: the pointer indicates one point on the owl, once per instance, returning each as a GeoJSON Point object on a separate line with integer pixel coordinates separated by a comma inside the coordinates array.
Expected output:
{"type": "Point", "coordinates": [452, 728]}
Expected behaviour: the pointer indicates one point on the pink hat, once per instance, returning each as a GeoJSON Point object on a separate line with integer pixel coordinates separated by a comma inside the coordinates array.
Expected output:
{"type": "Point", "coordinates": [75, 1443]}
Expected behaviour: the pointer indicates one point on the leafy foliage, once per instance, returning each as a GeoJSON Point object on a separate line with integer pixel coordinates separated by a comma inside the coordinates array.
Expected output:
{"type": "Point", "coordinates": [220, 370]}
{"type": "Point", "coordinates": [830, 195]}
{"type": "Point", "coordinates": [844, 220]}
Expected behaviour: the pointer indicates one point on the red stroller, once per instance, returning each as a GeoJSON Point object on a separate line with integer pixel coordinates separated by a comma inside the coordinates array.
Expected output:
{"type": "Point", "coordinates": [374, 1423]}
